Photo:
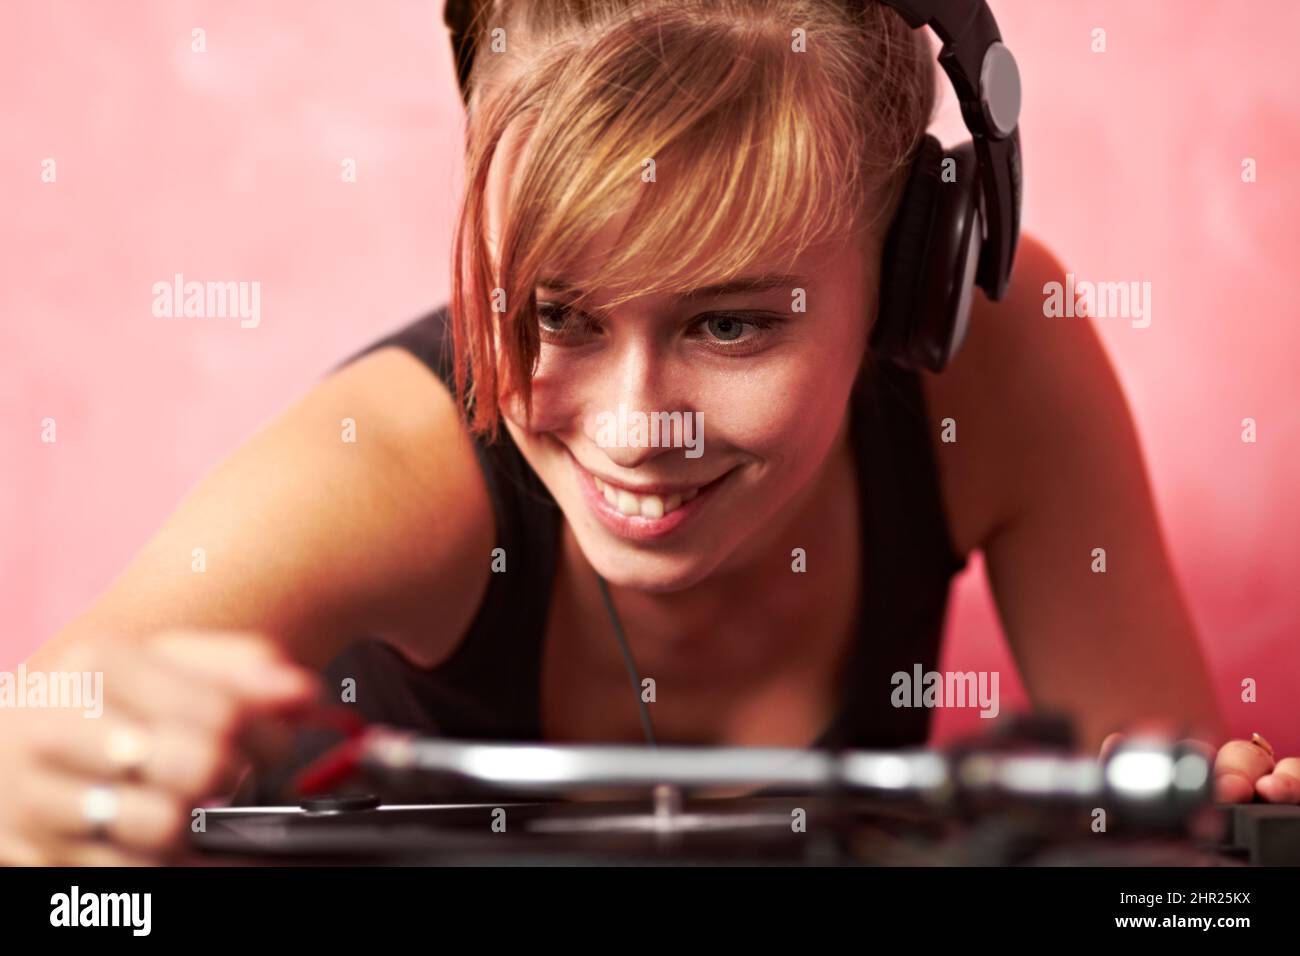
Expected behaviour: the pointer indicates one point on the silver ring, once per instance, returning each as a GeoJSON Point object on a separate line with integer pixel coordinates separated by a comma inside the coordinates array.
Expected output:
{"type": "Point", "coordinates": [99, 810]}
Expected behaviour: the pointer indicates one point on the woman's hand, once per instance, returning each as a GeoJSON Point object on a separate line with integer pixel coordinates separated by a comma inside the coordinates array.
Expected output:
{"type": "Point", "coordinates": [183, 712]}
{"type": "Point", "coordinates": [1244, 770]}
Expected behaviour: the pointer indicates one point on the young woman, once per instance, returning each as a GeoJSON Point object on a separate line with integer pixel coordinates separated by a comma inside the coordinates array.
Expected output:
{"type": "Point", "coordinates": [668, 209]}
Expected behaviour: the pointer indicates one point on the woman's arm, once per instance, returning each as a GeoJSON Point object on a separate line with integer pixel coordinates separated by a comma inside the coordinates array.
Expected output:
{"type": "Point", "coordinates": [307, 542]}
{"type": "Point", "coordinates": [313, 540]}
{"type": "Point", "coordinates": [1046, 470]}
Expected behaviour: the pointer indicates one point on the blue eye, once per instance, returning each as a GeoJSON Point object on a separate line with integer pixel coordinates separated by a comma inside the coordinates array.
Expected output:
{"type": "Point", "coordinates": [725, 328]}
{"type": "Point", "coordinates": [738, 333]}
{"type": "Point", "coordinates": [731, 333]}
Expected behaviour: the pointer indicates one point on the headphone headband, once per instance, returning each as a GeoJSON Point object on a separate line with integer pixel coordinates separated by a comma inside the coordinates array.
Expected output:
{"type": "Point", "coordinates": [987, 82]}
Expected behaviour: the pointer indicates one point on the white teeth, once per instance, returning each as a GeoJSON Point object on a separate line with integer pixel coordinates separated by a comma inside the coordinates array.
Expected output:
{"type": "Point", "coordinates": [647, 506]}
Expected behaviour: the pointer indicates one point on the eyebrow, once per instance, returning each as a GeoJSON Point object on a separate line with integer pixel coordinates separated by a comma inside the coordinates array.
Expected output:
{"type": "Point", "coordinates": [758, 283]}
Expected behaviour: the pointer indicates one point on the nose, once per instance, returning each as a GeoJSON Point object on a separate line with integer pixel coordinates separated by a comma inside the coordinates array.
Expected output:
{"type": "Point", "coordinates": [620, 420]}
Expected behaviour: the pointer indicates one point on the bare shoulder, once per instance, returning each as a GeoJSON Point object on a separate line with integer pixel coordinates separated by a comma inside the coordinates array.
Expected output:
{"type": "Point", "coordinates": [1047, 479]}
{"type": "Point", "coordinates": [417, 529]}
{"type": "Point", "coordinates": [1016, 390]}
{"type": "Point", "coordinates": [358, 509]}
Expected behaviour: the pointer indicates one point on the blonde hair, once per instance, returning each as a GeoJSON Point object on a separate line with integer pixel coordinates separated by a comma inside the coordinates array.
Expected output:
{"type": "Point", "coordinates": [756, 147]}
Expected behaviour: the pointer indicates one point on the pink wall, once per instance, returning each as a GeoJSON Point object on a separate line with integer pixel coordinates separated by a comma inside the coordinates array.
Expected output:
{"type": "Point", "coordinates": [226, 165]}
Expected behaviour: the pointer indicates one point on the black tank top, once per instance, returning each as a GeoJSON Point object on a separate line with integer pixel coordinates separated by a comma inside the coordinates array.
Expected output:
{"type": "Point", "coordinates": [489, 688]}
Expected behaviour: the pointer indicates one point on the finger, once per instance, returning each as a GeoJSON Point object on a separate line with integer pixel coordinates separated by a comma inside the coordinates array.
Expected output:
{"type": "Point", "coordinates": [152, 691]}
{"type": "Point", "coordinates": [241, 661]}
{"type": "Point", "coordinates": [175, 758]}
{"type": "Point", "coordinates": [95, 853]}
{"type": "Point", "coordinates": [145, 820]}
{"type": "Point", "coordinates": [161, 698]}
{"type": "Point", "coordinates": [262, 676]}
{"type": "Point", "coordinates": [157, 690]}
{"type": "Point", "coordinates": [1283, 784]}
{"type": "Point", "coordinates": [221, 650]}
{"type": "Point", "coordinates": [16, 852]}
{"type": "Point", "coordinates": [1237, 766]}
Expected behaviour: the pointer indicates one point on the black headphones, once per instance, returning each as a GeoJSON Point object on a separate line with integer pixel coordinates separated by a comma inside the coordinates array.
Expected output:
{"type": "Point", "coordinates": [959, 217]}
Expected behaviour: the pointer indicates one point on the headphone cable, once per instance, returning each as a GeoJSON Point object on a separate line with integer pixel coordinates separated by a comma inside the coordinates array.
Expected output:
{"type": "Point", "coordinates": [627, 659]}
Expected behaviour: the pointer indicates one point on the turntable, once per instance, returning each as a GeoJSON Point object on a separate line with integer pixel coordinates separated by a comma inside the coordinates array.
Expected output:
{"type": "Point", "coordinates": [381, 798]}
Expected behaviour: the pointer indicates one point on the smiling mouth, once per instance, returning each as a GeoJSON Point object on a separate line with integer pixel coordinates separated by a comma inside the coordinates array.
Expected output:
{"type": "Point", "coordinates": [643, 514]}
{"type": "Point", "coordinates": [647, 506]}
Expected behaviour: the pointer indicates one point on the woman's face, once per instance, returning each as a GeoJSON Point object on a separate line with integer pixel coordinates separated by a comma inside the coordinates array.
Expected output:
{"type": "Point", "coordinates": [761, 392]}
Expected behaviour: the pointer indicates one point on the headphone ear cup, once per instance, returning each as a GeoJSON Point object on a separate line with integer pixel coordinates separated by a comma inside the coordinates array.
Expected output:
{"type": "Point", "coordinates": [951, 263]}
{"type": "Point", "coordinates": [904, 253]}
{"type": "Point", "coordinates": [931, 253]}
